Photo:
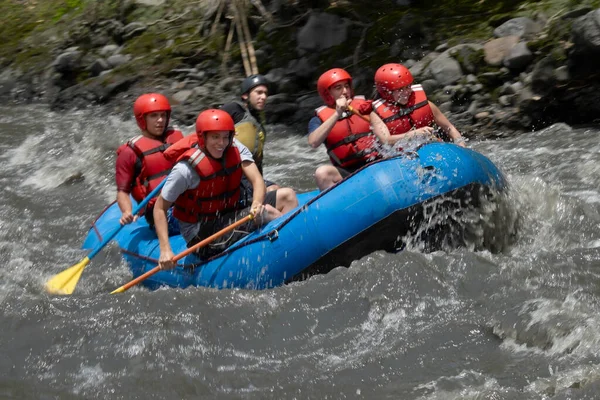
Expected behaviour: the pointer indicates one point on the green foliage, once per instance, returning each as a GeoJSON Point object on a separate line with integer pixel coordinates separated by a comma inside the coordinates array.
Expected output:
{"type": "Point", "coordinates": [66, 7]}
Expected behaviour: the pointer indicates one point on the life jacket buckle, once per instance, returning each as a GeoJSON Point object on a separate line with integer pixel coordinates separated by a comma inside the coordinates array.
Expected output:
{"type": "Point", "coordinates": [273, 235]}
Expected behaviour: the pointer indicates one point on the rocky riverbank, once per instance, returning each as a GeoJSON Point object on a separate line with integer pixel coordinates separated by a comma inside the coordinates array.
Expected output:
{"type": "Point", "coordinates": [505, 68]}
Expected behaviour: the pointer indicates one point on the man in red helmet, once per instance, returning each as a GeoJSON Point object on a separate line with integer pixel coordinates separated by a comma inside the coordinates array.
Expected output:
{"type": "Point", "coordinates": [141, 164]}
{"type": "Point", "coordinates": [404, 107]}
{"type": "Point", "coordinates": [351, 141]}
{"type": "Point", "coordinates": [204, 186]}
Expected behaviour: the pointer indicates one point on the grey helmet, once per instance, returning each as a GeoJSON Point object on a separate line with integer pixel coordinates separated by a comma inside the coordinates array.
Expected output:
{"type": "Point", "coordinates": [253, 81]}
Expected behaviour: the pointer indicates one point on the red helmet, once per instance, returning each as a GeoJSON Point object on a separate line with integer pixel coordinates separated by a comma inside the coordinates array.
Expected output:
{"type": "Point", "coordinates": [328, 79]}
{"type": "Point", "coordinates": [214, 120]}
{"type": "Point", "coordinates": [147, 103]}
{"type": "Point", "coordinates": [390, 77]}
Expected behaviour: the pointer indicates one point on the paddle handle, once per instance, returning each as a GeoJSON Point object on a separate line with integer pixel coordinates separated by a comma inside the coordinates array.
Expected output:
{"type": "Point", "coordinates": [184, 253]}
{"type": "Point", "coordinates": [356, 112]}
{"type": "Point", "coordinates": [135, 211]}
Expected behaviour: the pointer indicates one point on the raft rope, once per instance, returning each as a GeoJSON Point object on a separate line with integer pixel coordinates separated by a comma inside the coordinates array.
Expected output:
{"type": "Point", "coordinates": [273, 234]}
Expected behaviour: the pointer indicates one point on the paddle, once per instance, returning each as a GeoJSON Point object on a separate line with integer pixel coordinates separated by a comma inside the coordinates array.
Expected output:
{"type": "Point", "coordinates": [356, 112]}
{"type": "Point", "coordinates": [184, 253]}
{"type": "Point", "coordinates": [65, 282]}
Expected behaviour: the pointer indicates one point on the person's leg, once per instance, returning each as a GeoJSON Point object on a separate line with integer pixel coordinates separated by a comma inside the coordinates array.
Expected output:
{"type": "Point", "coordinates": [271, 185]}
{"type": "Point", "coordinates": [271, 212]}
{"type": "Point", "coordinates": [286, 200]}
{"type": "Point", "coordinates": [220, 244]}
{"type": "Point", "coordinates": [327, 176]}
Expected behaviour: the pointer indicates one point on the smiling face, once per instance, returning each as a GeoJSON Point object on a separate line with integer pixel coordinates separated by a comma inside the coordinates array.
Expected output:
{"type": "Point", "coordinates": [216, 142]}
{"type": "Point", "coordinates": [341, 89]}
{"type": "Point", "coordinates": [257, 97]}
{"type": "Point", "coordinates": [156, 123]}
{"type": "Point", "coordinates": [402, 95]}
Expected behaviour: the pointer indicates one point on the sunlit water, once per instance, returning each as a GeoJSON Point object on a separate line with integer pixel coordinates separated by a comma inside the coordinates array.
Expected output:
{"type": "Point", "coordinates": [522, 323]}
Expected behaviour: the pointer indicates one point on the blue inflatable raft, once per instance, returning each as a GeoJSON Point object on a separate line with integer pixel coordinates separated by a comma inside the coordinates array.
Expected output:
{"type": "Point", "coordinates": [373, 209]}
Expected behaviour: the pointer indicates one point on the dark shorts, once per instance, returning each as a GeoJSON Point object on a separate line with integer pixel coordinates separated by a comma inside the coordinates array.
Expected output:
{"type": "Point", "coordinates": [173, 225]}
{"type": "Point", "coordinates": [220, 244]}
{"type": "Point", "coordinates": [247, 192]}
{"type": "Point", "coordinates": [344, 172]}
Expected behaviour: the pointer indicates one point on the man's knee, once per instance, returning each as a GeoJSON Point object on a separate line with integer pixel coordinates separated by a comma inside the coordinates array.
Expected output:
{"type": "Point", "coordinates": [326, 176]}
{"type": "Point", "coordinates": [323, 172]}
{"type": "Point", "coordinates": [286, 199]}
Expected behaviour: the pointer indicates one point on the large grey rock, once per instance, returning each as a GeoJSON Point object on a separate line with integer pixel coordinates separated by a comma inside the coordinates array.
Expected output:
{"type": "Point", "coordinates": [562, 73]}
{"type": "Point", "coordinates": [507, 88]}
{"type": "Point", "coordinates": [182, 96]}
{"type": "Point", "coordinates": [517, 87]}
{"type": "Point", "coordinates": [578, 12]}
{"type": "Point", "coordinates": [228, 84]}
{"type": "Point", "coordinates": [429, 85]}
{"type": "Point", "coordinates": [519, 57]}
{"type": "Point", "coordinates": [7, 83]}
{"type": "Point", "coordinates": [506, 100]}
{"type": "Point", "coordinates": [586, 32]}
{"type": "Point", "coordinates": [466, 55]}
{"type": "Point", "coordinates": [309, 101]}
{"type": "Point", "coordinates": [99, 38]}
{"type": "Point", "coordinates": [112, 28]}
{"type": "Point", "coordinates": [520, 26]}
{"type": "Point", "coordinates": [278, 98]}
{"type": "Point", "coordinates": [201, 91]}
{"type": "Point", "coordinates": [445, 69]}
{"type": "Point", "coordinates": [497, 49]}
{"type": "Point", "coordinates": [109, 50]}
{"type": "Point", "coordinates": [118, 59]}
{"type": "Point", "coordinates": [98, 66]}
{"type": "Point", "coordinates": [281, 112]}
{"type": "Point", "coordinates": [409, 26]}
{"type": "Point", "coordinates": [69, 61]}
{"type": "Point", "coordinates": [542, 76]}
{"type": "Point", "coordinates": [473, 108]}
{"type": "Point", "coordinates": [322, 31]}
{"type": "Point", "coordinates": [420, 70]}
{"type": "Point", "coordinates": [275, 75]}
{"type": "Point", "coordinates": [303, 67]}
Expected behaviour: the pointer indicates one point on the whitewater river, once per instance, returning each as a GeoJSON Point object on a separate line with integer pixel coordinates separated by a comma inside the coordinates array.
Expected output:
{"type": "Point", "coordinates": [523, 323]}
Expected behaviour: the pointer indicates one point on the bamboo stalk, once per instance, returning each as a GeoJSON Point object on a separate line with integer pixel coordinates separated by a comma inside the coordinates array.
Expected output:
{"type": "Point", "coordinates": [242, 42]}
{"type": "Point", "coordinates": [215, 24]}
{"type": "Point", "coordinates": [227, 50]}
{"type": "Point", "coordinates": [248, 37]}
{"type": "Point", "coordinates": [263, 11]}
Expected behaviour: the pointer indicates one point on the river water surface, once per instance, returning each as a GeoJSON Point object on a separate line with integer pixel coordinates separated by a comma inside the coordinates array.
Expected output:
{"type": "Point", "coordinates": [523, 323]}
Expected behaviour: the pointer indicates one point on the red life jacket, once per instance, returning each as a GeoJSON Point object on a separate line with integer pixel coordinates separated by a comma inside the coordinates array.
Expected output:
{"type": "Point", "coordinates": [151, 166]}
{"type": "Point", "coordinates": [350, 142]}
{"type": "Point", "coordinates": [175, 151]}
{"type": "Point", "coordinates": [400, 119]}
{"type": "Point", "coordinates": [219, 188]}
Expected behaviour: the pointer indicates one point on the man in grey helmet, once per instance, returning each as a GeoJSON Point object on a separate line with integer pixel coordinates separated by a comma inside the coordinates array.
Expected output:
{"type": "Point", "coordinates": [248, 116]}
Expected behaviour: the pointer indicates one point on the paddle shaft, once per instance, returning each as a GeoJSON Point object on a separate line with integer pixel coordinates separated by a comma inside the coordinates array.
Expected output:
{"type": "Point", "coordinates": [135, 211]}
{"type": "Point", "coordinates": [356, 112]}
{"type": "Point", "coordinates": [65, 282]}
{"type": "Point", "coordinates": [184, 253]}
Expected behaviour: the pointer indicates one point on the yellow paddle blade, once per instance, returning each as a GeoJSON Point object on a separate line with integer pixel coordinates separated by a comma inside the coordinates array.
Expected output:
{"type": "Point", "coordinates": [65, 282]}
{"type": "Point", "coordinates": [118, 290]}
